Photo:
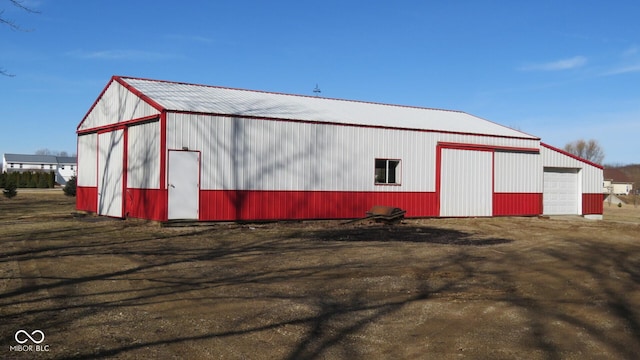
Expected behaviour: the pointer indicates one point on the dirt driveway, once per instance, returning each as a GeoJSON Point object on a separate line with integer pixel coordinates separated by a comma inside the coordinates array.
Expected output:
{"type": "Point", "coordinates": [498, 288]}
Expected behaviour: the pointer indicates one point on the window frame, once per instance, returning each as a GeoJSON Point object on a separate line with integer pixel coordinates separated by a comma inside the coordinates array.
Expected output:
{"type": "Point", "coordinates": [397, 172]}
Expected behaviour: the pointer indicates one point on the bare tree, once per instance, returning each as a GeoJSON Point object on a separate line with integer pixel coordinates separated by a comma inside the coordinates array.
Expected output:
{"type": "Point", "coordinates": [588, 150]}
{"type": "Point", "coordinates": [13, 25]}
{"type": "Point", "coordinates": [44, 152]}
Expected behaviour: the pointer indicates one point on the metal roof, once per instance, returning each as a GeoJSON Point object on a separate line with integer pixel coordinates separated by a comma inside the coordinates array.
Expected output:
{"type": "Point", "coordinates": [183, 97]}
{"type": "Point", "coordinates": [39, 159]}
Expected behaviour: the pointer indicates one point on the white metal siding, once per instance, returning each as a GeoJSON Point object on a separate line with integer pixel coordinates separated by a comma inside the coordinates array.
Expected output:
{"type": "Point", "coordinates": [254, 154]}
{"type": "Point", "coordinates": [87, 156]}
{"type": "Point", "coordinates": [116, 104]}
{"type": "Point", "coordinates": [110, 173]}
{"type": "Point", "coordinates": [466, 187]}
{"type": "Point", "coordinates": [590, 176]}
{"type": "Point", "coordinates": [561, 192]}
{"type": "Point", "coordinates": [143, 151]}
{"type": "Point", "coordinates": [275, 155]}
{"type": "Point", "coordinates": [518, 172]}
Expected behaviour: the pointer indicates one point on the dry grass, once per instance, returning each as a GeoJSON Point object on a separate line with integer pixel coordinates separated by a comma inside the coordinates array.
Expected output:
{"type": "Point", "coordinates": [499, 288]}
{"type": "Point", "coordinates": [626, 213]}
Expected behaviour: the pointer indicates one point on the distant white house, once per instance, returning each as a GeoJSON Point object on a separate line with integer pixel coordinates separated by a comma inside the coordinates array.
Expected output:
{"type": "Point", "coordinates": [616, 182]}
{"type": "Point", "coordinates": [64, 167]}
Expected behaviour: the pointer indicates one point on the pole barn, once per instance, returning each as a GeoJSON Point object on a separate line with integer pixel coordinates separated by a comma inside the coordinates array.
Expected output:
{"type": "Point", "coordinates": [162, 150]}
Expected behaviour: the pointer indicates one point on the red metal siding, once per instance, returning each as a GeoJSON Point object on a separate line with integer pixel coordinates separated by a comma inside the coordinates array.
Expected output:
{"type": "Point", "coordinates": [87, 198]}
{"type": "Point", "coordinates": [592, 204]}
{"type": "Point", "coordinates": [274, 205]}
{"type": "Point", "coordinates": [145, 204]}
{"type": "Point", "coordinates": [517, 204]}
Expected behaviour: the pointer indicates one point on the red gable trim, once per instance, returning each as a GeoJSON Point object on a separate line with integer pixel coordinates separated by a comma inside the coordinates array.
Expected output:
{"type": "Point", "coordinates": [572, 156]}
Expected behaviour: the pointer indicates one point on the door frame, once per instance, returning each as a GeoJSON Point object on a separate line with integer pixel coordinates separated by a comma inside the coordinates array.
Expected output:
{"type": "Point", "coordinates": [171, 186]}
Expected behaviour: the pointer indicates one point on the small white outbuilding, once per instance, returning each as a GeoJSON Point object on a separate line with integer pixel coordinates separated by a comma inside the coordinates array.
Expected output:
{"type": "Point", "coordinates": [165, 150]}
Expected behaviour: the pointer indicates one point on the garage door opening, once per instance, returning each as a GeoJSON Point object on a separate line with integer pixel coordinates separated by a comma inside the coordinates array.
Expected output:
{"type": "Point", "coordinates": [561, 191]}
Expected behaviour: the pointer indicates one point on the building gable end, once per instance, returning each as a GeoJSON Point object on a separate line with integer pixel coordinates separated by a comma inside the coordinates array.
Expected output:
{"type": "Point", "coordinates": [118, 103]}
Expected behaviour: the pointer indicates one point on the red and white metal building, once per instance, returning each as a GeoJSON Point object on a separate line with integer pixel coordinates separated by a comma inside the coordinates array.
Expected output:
{"type": "Point", "coordinates": [164, 150]}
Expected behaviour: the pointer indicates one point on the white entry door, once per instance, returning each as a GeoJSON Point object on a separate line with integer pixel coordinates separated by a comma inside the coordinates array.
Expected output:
{"type": "Point", "coordinates": [110, 173]}
{"type": "Point", "coordinates": [184, 184]}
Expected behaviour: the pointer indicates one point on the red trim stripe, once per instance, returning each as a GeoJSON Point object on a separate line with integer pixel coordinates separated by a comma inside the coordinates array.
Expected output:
{"type": "Point", "coordinates": [482, 147]}
{"type": "Point", "coordinates": [119, 125]}
{"type": "Point", "coordinates": [164, 210]}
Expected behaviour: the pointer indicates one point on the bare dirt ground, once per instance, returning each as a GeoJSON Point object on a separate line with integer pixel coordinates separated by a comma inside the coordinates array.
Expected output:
{"type": "Point", "coordinates": [491, 288]}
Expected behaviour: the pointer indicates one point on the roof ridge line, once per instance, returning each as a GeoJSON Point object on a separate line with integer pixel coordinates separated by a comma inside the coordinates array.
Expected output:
{"type": "Point", "coordinates": [124, 78]}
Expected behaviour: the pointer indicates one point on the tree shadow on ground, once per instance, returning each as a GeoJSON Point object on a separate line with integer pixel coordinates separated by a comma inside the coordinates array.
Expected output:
{"type": "Point", "coordinates": [412, 234]}
{"type": "Point", "coordinates": [307, 291]}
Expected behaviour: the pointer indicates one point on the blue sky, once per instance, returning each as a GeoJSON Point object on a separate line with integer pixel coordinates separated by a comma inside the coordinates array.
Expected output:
{"type": "Point", "coordinates": [560, 70]}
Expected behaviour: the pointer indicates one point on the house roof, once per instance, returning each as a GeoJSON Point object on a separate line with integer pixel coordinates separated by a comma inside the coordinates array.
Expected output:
{"type": "Point", "coordinates": [615, 175]}
{"type": "Point", "coordinates": [67, 159]}
{"type": "Point", "coordinates": [39, 159]}
{"type": "Point", "coordinates": [181, 97]}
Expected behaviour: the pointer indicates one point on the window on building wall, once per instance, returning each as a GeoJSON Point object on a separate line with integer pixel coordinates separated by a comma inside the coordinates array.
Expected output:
{"type": "Point", "coordinates": [11, 165]}
{"type": "Point", "coordinates": [41, 166]}
{"type": "Point", "coordinates": [20, 166]}
{"type": "Point", "coordinates": [62, 167]}
{"type": "Point", "coordinates": [50, 166]}
{"type": "Point", "coordinates": [387, 171]}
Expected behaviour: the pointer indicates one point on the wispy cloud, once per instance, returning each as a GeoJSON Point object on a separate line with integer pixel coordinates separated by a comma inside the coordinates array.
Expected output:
{"type": "Point", "coordinates": [138, 55]}
{"type": "Point", "coordinates": [624, 69]}
{"type": "Point", "coordinates": [563, 64]}
{"type": "Point", "coordinates": [630, 62]}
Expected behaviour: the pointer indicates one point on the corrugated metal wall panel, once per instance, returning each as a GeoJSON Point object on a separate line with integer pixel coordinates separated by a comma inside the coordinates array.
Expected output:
{"type": "Point", "coordinates": [592, 204]}
{"type": "Point", "coordinates": [517, 172]}
{"type": "Point", "coordinates": [466, 185]}
{"type": "Point", "coordinates": [116, 104]}
{"type": "Point", "coordinates": [517, 204]}
{"type": "Point", "coordinates": [87, 156]}
{"type": "Point", "coordinates": [143, 152]}
{"type": "Point", "coordinates": [246, 205]}
{"type": "Point", "coordinates": [592, 180]}
{"type": "Point", "coordinates": [248, 154]}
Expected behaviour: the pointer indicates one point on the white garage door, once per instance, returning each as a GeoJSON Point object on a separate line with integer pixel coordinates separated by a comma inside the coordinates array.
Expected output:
{"type": "Point", "coordinates": [561, 192]}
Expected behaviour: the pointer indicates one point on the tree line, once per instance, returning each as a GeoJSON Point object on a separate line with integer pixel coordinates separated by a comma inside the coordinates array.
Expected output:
{"type": "Point", "coordinates": [28, 179]}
